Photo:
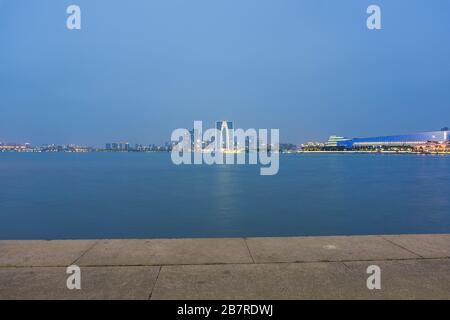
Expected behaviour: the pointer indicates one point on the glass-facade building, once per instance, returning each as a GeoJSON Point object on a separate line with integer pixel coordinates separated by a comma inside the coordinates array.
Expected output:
{"type": "Point", "coordinates": [393, 141]}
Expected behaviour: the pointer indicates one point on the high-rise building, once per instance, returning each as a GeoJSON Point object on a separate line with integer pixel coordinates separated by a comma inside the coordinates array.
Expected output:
{"type": "Point", "coordinates": [226, 138]}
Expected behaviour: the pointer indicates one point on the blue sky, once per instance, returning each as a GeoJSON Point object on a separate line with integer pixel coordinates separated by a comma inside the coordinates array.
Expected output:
{"type": "Point", "coordinates": [139, 69]}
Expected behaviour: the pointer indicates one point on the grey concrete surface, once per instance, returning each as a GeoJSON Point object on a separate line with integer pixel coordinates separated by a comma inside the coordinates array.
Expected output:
{"type": "Point", "coordinates": [412, 267]}
{"type": "Point", "coordinates": [409, 279]}
{"type": "Point", "coordinates": [428, 246]}
{"type": "Point", "coordinates": [166, 252]}
{"type": "Point", "coordinates": [96, 283]}
{"type": "Point", "coordinates": [259, 281]}
{"type": "Point", "coordinates": [301, 249]}
{"type": "Point", "coordinates": [42, 253]}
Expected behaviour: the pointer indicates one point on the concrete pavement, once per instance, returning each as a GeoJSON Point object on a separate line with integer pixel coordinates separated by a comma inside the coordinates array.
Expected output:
{"type": "Point", "coordinates": [412, 267]}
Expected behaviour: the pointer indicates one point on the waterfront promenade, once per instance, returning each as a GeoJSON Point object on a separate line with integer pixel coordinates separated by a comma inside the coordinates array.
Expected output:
{"type": "Point", "coordinates": [412, 267]}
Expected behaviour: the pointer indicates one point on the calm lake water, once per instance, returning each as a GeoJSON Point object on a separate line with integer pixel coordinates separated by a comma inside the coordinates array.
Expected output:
{"type": "Point", "coordinates": [143, 195]}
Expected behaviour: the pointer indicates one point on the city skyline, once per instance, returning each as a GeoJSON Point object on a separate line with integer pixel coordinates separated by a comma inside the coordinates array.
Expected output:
{"type": "Point", "coordinates": [222, 126]}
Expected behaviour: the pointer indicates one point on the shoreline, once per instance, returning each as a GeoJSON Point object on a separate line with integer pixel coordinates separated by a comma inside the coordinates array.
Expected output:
{"type": "Point", "coordinates": [378, 152]}
{"type": "Point", "coordinates": [281, 152]}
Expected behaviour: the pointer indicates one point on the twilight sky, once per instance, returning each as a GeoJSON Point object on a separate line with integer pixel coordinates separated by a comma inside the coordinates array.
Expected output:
{"type": "Point", "coordinates": [139, 69]}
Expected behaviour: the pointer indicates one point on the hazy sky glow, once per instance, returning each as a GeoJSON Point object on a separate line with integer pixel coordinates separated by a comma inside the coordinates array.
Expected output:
{"type": "Point", "coordinates": [139, 69]}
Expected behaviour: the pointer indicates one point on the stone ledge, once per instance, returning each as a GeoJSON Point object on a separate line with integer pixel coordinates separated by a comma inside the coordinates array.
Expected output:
{"type": "Point", "coordinates": [412, 266]}
{"type": "Point", "coordinates": [37, 253]}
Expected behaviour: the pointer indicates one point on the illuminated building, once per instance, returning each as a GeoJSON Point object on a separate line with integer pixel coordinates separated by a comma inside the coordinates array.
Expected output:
{"type": "Point", "coordinates": [404, 140]}
{"type": "Point", "coordinates": [226, 138]}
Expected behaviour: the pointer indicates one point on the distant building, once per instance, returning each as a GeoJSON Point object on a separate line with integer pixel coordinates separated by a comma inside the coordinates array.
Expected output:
{"type": "Point", "coordinates": [404, 140]}
{"type": "Point", "coordinates": [433, 147]}
{"type": "Point", "coordinates": [226, 138]}
{"type": "Point", "coordinates": [335, 141]}
{"type": "Point", "coordinates": [13, 147]}
{"type": "Point", "coordinates": [312, 144]}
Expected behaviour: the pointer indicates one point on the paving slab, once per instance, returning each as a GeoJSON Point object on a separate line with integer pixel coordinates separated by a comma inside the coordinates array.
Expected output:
{"type": "Point", "coordinates": [304, 249]}
{"type": "Point", "coordinates": [259, 281]}
{"type": "Point", "coordinates": [167, 252]}
{"type": "Point", "coordinates": [409, 279]}
{"type": "Point", "coordinates": [42, 253]}
{"type": "Point", "coordinates": [253, 268]}
{"type": "Point", "coordinates": [96, 283]}
{"type": "Point", "coordinates": [428, 246]}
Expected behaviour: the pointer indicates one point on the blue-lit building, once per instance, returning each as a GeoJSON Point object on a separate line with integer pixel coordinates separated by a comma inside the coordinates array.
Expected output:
{"type": "Point", "coordinates": [403, 140]}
